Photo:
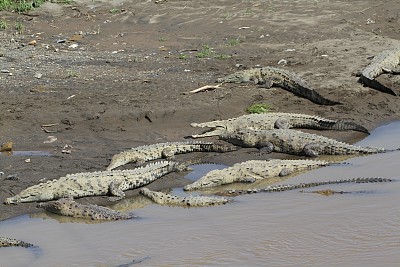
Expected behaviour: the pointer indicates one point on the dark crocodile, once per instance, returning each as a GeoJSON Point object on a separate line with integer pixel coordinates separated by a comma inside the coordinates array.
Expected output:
{"type": "Point", "coordinates": [270, 76]}
{"type": "Point", "coordinates": [71, 208]}
{"type": "Point", "coordinates": [386, 62]}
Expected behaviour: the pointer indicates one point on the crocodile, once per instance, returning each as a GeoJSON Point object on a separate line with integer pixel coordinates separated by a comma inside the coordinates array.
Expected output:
{"type": "Point", "coordinates": [164, 150]}
{"type": "Point", "coordinates": [385, 62]}
{"type": "Point", "coordinates": [287, 187]}
{"type": "Point", "coordinates": [11, 242]}
{"type": "Point", "coordinates": [270, 76]}
{"type": "Point", "coordinates": [99, 183]}
{"type": "Point", "coordinates": [187, 201]}
{"type": "Point", "coordinates": [269, 121]}
{"type": "Point", "coordinates": [295, 142]}
{"type": "Point", "coordinates": [69, 207]}
{"type": "Point", "coordinates": [253, 170]}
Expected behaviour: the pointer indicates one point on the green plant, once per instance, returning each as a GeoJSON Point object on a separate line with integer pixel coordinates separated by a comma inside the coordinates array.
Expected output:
{"type": "Point", "coordinates": [183, 56]}
{"type": "Point", "coordinates": [233, 41]}
{"type": "Point", "coordinates": [3, 25]}
{"type": "Point", "coordinates": [71, 73]}
{"type": "Point", "coordinates": [19, 27]}
{"type": "Point", "coordinates": [222, 56]}
{"type": "Point", "coordinates": [115, 10]}
{"type": "Point", "coordinates": [205, 52]}
{"type": "Point", "coordinates": [258, 108]}
{"type": "Point", "coordinates": [162, 39]}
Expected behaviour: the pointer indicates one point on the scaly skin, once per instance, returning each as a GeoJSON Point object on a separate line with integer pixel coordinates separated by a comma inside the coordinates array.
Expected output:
{"type": "Point", "coordinates": [68, 207]}
{"type": "Point", "coordinates": [270, 76]}
{"type": "Point", "coordinates": [252, 170]}
{"type": "Point", "coordinates": [295, 142]}
{"type": "Point", "coordinates": [188, 201]}
{"type": "Point", "coordinates": [11, 242]}
{"type": "Point", "coordinates": [269, 121]}
{"type": "Point", "coordinates": [385, 62]}
{"type": "Point", "coordinates": [164, 150]}
{"type": "Point", "coordinates": [281, 188]}
{"type": "Point", "coordinates": [95, 183]}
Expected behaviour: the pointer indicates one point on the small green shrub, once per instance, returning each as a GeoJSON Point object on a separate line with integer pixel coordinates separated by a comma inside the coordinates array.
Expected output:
{"type": "Point", "coordinates": [258, 108]}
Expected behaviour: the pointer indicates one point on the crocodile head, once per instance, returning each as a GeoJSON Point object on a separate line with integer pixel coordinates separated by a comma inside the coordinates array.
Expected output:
{"type": "Point", "coordinates": [211, 179]}
{"type": "Point", "coordinates": [242, 76]}
{"type": "Point", "coordinates": [242, 138]}
{"type": "Point", "coordinates": [31, 194]}
{"type": "Point", "coordinates": [57, 206]}
{"type": "Point", "coordinates": [118, 160]}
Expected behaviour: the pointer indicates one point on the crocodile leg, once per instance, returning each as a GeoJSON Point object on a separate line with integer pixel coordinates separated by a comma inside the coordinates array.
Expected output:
{"type": "Point", "coordinates": [311, 149]}
{"type": "Point", "coordinates": [282, 124]}
{"type": "Point", "coordinates": [115, 191]}
{"type": "Point", "coordinates": [265, 147]}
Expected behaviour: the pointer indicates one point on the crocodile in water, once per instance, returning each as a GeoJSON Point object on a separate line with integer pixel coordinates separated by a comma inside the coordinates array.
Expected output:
{"type": "Point", "coordinates": [188, 201]}
{"type": "Point", "coordinates": [69, 207]}
{"type": "Point", "coordinates": [252, 170]}
{"type": "Point", "coordinates": [385, 62]}
{"type": "Point", "coordinates": [295, 142]}
{"type": "Point", "coordinates": [269, 121]}
{"type": "Point", "coordinates": [95, 183]}
{"type": "Point", "coordinates": [270, 76]}
{"type": "Point", "coordinates": [287, 187]}
{"type": "Point", "coordinates": [164, 150]}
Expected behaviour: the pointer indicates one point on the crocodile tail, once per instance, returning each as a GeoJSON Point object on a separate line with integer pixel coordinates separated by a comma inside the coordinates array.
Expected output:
{"type": "Point", "coordinates": [316, 98]}
{"type": "Point", "coordinates": [376, 85]}
{"type": "Point", "coordinates": [342, 125]}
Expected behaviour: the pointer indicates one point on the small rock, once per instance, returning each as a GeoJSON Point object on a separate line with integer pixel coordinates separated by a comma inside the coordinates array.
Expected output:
{"type": "Point", "coordinates": [50, 139]}
{"type": "Point", "coordinates": [5, 71]}
{"type": "Point", "coordinates": [38, 75]}
{"type": "Point", "coordinates": [33, 42]}
{"type": "Point", "coordinates": [73, 46]}
{"type": "Point", "coordinates": [282, 62]}
{"type": "Point", "coordinates": [28, 160]}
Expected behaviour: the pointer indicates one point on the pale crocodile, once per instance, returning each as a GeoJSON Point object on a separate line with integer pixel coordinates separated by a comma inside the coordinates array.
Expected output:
{"type": "Point", "coordinates": [187, 201]}
{"type": "Point", "coordinates": [165, 150]}
{"type": "Point", "coordinates": [253, 170]}
{"type": "Point", "coordinates": [69, 207]}
{"type": "Point", "coordinates": [287, 187]}
{"type": "Point", "coordinates": [269, 121]}
{"type": "Point", "coordinates": [386, 62]}
{"type": "Point", "coordinates": [100, 183]}
{"type": "Point", "coordinates": [270, 76]}
{"type": "Point", "coordinates": [295, 142]}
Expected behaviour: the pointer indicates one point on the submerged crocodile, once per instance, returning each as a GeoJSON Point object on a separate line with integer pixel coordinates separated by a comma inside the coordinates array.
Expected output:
{"type": "Point", "coordinates": [287, 187]}
{"type": "Point", "coordinates": [385, 62]}
{"type": "Point", "coordinates": [100, 183]}
{"type": "Point", "coordinates": [11, 242]}
{"type": "Point", "coordinates": [69, 207]}
{"type": "Point", "coordinates": [188, 201]}
{"type": "Point", "coordinates": [269, 121]}
{"type": "Point", "coordinates": [295, 142]}
{"type": "Point", "coordinates": [164, 150]}
{"type": "Point", "coordinates": [270, 76]}
{"type": "Point", "coordinates": [252, 170]}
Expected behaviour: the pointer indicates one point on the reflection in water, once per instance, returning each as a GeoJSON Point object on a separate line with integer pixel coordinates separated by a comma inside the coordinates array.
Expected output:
{"type": "Point", "coordinates": [27, 153]}
{"type": "Point", "coordinates": [281, 229]}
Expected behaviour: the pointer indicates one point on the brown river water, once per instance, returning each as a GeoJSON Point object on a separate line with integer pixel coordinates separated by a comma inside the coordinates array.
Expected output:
{"type": "Point", "coordinates": [276, 229]}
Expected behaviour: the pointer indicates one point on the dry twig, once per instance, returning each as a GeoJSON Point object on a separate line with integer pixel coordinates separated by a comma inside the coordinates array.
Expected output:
{"type": "Point", "coordinates": [203, 88]}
